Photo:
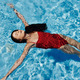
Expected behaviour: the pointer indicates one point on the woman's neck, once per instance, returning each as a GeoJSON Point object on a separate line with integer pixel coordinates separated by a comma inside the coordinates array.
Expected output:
{"type": "Point", "coordinates": [27, 36]}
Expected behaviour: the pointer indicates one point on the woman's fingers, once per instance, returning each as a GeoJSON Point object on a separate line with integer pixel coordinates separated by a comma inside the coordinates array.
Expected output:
{"type": "Point", "coordinates": [4, 78]}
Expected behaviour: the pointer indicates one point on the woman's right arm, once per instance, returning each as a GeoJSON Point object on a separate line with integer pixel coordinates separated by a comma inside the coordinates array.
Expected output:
{"type": "Point", "coordinates": [20, 60]}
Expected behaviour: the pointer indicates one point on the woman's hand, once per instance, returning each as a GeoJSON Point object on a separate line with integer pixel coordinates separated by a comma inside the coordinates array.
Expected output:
{"type": "Point", "coordinates": [4, 78]}
{"type": "Point", "coordinates": [11, 5]}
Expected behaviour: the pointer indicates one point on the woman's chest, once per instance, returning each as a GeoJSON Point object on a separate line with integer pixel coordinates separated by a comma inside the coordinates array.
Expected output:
{"type": "Point", "coordinates": [33, 37]}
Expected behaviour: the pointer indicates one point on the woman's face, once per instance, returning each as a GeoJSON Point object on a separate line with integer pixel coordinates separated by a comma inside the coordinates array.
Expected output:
{"type": "Point", "coordinates": [19, 34]}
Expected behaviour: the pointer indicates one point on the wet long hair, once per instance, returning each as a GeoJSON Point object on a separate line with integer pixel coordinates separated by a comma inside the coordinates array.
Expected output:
{"type": "Point", "coordinates": [36, 27]}
{"type": "Point", "coordinates": [29, 29]}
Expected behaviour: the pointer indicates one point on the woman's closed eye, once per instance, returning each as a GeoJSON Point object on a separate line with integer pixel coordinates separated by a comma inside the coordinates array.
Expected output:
{"type": "Point", "coordinates": [16, 34]}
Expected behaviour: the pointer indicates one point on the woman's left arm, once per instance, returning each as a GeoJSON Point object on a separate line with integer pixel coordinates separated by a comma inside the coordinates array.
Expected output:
{"type": "Point", "coordinates": [19, 61]}
{"type": "Point", "coordinates": [19, 15]}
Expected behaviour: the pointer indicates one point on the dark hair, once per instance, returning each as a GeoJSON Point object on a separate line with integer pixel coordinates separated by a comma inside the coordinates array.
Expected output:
{"type": "Point", "coordinates": [17, 40]}
{"type": "Point", "coordinates": [35, 27]}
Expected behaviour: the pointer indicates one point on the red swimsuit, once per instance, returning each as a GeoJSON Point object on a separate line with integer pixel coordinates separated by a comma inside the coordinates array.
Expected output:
{"type": "Point", "coordinates": [47, 40]}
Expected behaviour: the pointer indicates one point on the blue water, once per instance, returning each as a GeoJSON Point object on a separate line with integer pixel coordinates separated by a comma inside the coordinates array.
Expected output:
{"type": "Point", "coordinates": [61, 16]}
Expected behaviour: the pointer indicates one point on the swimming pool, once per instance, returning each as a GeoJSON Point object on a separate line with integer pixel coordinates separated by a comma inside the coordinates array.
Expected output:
{"type": "Point", "coordinates": [61, 16]}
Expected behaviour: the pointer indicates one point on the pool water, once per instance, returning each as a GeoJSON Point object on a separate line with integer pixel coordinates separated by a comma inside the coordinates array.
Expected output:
{"type": "Point", "coordinates": [61, 16]}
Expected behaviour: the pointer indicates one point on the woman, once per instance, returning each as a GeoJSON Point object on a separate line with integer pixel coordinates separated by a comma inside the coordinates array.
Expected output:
{"type": "Point", "coordinates": [35, 36]}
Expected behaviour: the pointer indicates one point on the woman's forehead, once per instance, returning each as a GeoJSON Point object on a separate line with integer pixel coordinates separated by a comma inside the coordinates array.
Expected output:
{"type": "Point", "coordinates": [14, 33]}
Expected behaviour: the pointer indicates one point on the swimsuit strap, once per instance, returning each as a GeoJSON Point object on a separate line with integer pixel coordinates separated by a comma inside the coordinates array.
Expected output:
{"type": "Point", "coordinates": [31, 42]}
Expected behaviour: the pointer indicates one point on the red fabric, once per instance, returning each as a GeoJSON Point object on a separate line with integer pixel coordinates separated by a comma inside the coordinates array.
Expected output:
{"type": "Point", "coordinates": [47, 40]}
